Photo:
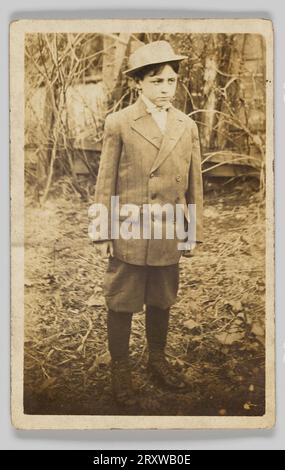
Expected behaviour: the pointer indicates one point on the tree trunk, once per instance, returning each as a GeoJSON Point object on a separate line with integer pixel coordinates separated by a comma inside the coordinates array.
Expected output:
{"type": "Point", "coordinates": [114, 54]}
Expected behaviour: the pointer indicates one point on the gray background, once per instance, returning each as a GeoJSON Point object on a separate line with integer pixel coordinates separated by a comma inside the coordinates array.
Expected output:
{"type": "Point", "coordinates": [64, 9]}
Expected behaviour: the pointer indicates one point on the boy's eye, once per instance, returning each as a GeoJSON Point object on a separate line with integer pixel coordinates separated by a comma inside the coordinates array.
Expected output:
{"type": "Point", "coordinates": [170, 80]}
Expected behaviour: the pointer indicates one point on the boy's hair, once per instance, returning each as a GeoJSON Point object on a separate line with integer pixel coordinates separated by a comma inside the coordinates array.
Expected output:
{"type": "Point", "coordinates": [154, 69]}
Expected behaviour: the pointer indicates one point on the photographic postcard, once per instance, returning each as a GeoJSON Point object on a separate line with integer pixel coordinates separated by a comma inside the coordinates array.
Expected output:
{"type": "Point", "coordinates": [142, 224]}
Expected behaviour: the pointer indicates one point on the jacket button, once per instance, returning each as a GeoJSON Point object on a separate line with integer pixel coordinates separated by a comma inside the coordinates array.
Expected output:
{"type": "Point", "coordinates": [151, 175]}
{"type": "Point", "coordinates": [178, 178]}
{"type": "Point", "coordinates": [153, 196]}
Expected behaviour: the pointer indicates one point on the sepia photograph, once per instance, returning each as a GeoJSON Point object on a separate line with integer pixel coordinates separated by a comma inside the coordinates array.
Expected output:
{"type": "Point", "coordinates": [142, 223]}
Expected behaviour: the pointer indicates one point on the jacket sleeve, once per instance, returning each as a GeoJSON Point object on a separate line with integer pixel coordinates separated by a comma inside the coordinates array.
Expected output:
{"type": "Point", "coordinates": [108, 168]}
{"type": "Point", "coordinates": [194, 193]}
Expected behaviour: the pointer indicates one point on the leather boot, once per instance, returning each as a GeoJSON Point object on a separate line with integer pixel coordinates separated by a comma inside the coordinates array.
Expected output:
{"type": "Point", "coordinates": [122, 383]}
{"type": "Point", "coordinates": [164, 372]}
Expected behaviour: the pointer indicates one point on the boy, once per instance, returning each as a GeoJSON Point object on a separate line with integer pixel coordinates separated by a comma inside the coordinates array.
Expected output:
{"type": "Point", "coordinates": [150, 155]}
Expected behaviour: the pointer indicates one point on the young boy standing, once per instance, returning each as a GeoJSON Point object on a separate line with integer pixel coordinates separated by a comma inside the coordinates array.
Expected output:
{"type": "Point", "coordinates": [150, 155]}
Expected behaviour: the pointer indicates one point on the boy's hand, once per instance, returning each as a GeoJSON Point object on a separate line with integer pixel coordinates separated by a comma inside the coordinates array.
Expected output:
{"type": "Point", "coordinates": [105, 248]}
{"type": "Point", "coordinates": [189, 250]}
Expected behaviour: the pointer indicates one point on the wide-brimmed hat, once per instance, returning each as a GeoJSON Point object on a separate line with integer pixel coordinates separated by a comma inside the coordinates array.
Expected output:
{"type": "Point", "coordinates": [157, 52]}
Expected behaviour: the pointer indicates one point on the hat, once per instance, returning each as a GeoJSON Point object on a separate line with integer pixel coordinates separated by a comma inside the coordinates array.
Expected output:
{"type": "Point", "coordinates": [157, 52]}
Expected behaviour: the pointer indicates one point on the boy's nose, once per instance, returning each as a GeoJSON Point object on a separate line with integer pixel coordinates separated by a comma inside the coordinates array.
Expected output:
{"type": "Point", "coordinates": [165, 89]}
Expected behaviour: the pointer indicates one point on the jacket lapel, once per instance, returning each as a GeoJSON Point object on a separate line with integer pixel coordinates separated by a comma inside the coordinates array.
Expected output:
{"type": "Point", "coordinates": [144, 124]}
{"type": "Point", "coordinates": [175, 127]}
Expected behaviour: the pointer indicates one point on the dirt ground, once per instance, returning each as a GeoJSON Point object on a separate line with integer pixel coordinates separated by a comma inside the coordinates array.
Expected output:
{"type": "Point", "coordinates": [216, 331]}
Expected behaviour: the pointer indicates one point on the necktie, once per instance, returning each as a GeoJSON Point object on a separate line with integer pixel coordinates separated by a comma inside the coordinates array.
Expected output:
{"type": "Point", "coordinates": [153, 109]}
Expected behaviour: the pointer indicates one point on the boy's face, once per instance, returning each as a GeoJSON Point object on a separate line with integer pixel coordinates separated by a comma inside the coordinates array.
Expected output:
{"type": "Point", "coordinates": [160, 88]}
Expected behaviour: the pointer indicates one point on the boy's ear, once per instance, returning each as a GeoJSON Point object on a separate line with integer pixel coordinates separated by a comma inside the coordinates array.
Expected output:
{"type": "Point", "coordinates": [138, 85]}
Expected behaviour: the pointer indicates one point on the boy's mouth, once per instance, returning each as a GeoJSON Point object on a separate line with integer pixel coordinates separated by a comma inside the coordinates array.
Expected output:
{"type": "Point", "coordinates": [162, 100]}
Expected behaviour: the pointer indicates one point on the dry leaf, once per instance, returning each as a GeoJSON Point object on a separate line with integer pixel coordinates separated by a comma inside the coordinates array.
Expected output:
{"type": "Point", "coordinates": [247, 406]}
{"type": "Point", "coordinates": [190, 324]}
{"type": "Point", "coordinates": [257, 329]}
{"type": "Point", "coordinates": [95, 300]}
{"type": "Point", "coordinates": [229, 338]}
{"type": "Point", "coordinates": [211, 212]}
